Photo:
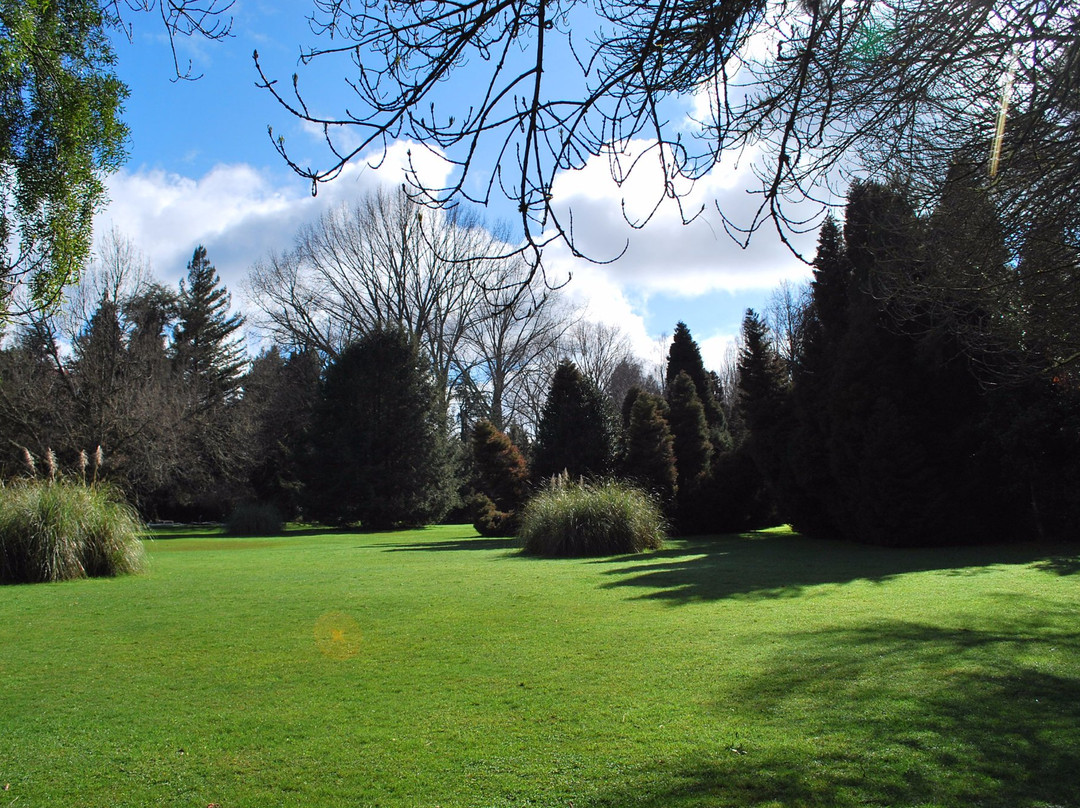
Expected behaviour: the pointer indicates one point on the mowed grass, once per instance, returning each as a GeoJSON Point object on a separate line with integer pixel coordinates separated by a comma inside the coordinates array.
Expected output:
{"type": "Point", "coordinates": [434, 668]}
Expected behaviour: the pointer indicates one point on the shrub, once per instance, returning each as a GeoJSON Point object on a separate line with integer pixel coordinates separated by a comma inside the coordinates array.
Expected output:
{"type": "Point", "coordinates": [59, 530]}
{"type": "Point", "coordinates": [488, 520]}
{"type": "Point", "coordinates": [590, 519]}
{"type": "Point", "coordinates": [254, 519]}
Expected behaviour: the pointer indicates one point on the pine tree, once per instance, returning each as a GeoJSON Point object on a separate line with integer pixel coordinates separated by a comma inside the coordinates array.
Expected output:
{"type": "Point", "coordinates": [684, 356]}
{"type": "Point", "coordinates": [764, 402]}
{"type": "Point", "coordinates": [577, 429]}
{"type": "Point", "coordinates": [208, 360]}
{"type": "Point", "coordinates": [650, 454]}
{"type": "Point", "coordinates": [206, 347]}
{"type": "Point", "coordinates": [379, 452]}
{"type": "Point", "coordinates": [761, 376]}
{"type": "Point", "coordinates": [830, 288]}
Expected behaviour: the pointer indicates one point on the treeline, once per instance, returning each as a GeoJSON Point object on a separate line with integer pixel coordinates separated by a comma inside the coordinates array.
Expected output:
{"type": "Point", "coordinates": [920, 390]}
{"type": "Point", "coordinates": [932, 395]}
{"type": "Point", "coordinates": [189, 424]}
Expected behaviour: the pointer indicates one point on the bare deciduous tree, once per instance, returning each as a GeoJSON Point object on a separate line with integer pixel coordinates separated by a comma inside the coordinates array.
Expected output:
{"type": "Point", "coordinates": [784, 314]}
{"type": "Point", "coordinates": [387, 260]}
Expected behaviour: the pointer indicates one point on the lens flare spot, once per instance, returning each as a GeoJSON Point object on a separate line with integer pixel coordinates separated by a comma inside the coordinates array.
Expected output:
{"type": "Point", "coordinates": [337, 635]}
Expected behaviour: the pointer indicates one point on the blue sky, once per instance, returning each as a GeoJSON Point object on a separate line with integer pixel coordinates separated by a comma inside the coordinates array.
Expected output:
{"type": "Point", "coordinates": [202, 170]}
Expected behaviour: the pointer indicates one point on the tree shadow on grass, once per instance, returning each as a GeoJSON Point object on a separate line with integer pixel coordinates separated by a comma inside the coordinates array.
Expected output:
{"type": "Point", "coordinates": [454, 545]}
{"type": "Point", "coordinates": [777, 564]}
{"type": "Point", "coordinates": [892, 714]}
{"type": "Point", "coordinates": [218, 532]}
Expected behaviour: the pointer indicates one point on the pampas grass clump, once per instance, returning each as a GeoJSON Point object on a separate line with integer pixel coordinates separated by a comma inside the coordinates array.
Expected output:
{"type": "Point", "coordinates": [56, 530]}
{"type": "Point", "coordinates": [591, 519]}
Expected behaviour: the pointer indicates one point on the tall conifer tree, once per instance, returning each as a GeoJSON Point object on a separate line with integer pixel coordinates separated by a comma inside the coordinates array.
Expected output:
{"type": "Point", "coordinates": [379, 452]}
{"type": "Point", "coordinates": [206, 347]}
{"type": "Point", "coordinates": [577, 429]}
{"type": "Point", "coordinates": [650, 453]}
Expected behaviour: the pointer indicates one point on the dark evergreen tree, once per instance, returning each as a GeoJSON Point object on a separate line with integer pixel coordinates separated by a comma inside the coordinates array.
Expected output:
{"type": "Point", "coordinates": [764, 403]}
{"type": "Point", "coordinates": [904, 405]}
{"type": "Point", "coordinates": [684, 356]}
{"type": "Point", "coordinates": [830, 288]}
{"type": "Point", "coordinates": [693, 452]}
{"type": "Point", "coordinates": [577, 432]}
{"type": "Point", "coordinates": [762, 379]}
{"type": "Point", "coordinates": [279, 395]}
{"type": "Point", "coordinates": [500, 479]}
{"type": "Point", "coordinates": [379, 453]}
{"type": "Point", "coordinates": [208, 359]}
{"type": "Point", "coordinates": [824, 324]}
{"type": "Point", "coordinates": [650, 453]}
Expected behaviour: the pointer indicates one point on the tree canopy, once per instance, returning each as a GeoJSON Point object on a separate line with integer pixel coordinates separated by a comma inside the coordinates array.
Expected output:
{"type": "Point", "coordinates": [812, 92]}
{"type": "Point", "coordinates": [61, 132]}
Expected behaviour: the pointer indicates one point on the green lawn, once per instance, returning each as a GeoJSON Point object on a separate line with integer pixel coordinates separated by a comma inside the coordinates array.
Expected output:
{"type": "Point", "coordinates": [434, 668]}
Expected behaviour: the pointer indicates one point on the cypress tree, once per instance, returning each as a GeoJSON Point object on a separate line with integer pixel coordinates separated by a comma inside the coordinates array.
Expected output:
{"type": "Point", "coordinates": [762, 384]}
{"type": "Point", "coordinates": [650, 454]}
{"type": "Point", "coordinates": [697, 497]}
{"type": "Point", "coordinates": [684, 356]}
{"type": "Point", "coordinates": [764, 402]}
{"type": "Point", "coordinates": [577, 429]}
{"type": "Point", "coordinates": [379, 453]}
{"type": "Point", "coordinates": [693, 450]}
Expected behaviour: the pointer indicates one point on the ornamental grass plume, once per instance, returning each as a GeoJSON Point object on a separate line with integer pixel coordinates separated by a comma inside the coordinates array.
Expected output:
{"type": "Point", "coordinates": [99, 461]}
{"type": "Point", "coordinates": [50, 464]}
{"type": "Point", "coordinates": [58, 530]}
{"type": "Point", "coordinates": [28, 461]}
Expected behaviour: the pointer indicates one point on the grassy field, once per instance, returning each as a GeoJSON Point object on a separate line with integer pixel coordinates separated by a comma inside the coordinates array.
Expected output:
{"type": "Point", "coordinates": [434, 668]}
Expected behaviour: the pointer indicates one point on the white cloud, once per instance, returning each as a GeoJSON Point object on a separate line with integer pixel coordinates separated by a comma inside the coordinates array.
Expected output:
{"type": "Point", "coordinates": [665, 254]}
{"type": "Point", "coordinates": [716, 349]}
{"type": "Point", "coordinates": [237, 212]}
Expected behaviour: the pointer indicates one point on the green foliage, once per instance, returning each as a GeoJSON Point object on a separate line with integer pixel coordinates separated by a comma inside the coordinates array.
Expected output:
{"type": "Point", "coordinates": [254, 519]}
{"type": "Point", "coordinates": [890, 433]}
{"type": "Point", "coordinates": [693, 450]}
{"type": "Point", "coordinates": [59, 530]}
{"type": "Point", "coordinates": [684, 356]}
{"type": "Point", "coordinates": [206, 347]}
{"type": "Point", "coordinates": [501, 478]}
{"type": "Point", "coordinates": [591, 519]}
{"type": "Point", "coordinates": [577, 430]}
{"type": "Point", "coordinates": [500, 467]}
{"type": "Point", "coordinates": [279, 398]}
{"type": "Point", "coordinates": [60, 134]}
{"type": "Point", "coordinates": [488, 520]}
{"type": "Point", "coordinates": [650, 454]}
{"type": "Point", "coordinates": [379, 453]}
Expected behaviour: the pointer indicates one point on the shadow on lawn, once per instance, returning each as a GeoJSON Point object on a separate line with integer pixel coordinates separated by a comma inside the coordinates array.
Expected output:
{"type": "Point", "coordinates": [778, 565]}
{"type": "Point", "coordinates": [218, 532]}
{"type": "Point", "coordinates": [893, 714]}
{"type": "Point", "coordinates": [452, 545]}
